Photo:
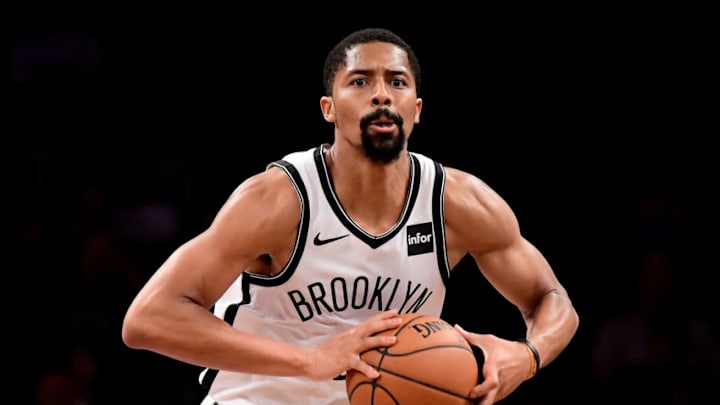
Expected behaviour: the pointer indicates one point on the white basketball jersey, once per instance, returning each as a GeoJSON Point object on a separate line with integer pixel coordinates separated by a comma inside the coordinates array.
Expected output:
{"type": "Point", "coordinates": [337, 276]}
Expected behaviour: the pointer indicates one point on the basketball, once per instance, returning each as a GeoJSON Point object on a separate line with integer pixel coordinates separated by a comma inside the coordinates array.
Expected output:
{"type": "Point", "coordinates": [431, 363]}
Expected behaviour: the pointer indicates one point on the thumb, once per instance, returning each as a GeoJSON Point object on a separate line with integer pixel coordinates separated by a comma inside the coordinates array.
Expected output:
{"type": "Point", "coordinates": [461, 330]}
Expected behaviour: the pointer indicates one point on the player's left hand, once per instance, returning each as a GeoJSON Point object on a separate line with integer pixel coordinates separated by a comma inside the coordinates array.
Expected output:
{"type": "Point", "coordinates": [506, 366]}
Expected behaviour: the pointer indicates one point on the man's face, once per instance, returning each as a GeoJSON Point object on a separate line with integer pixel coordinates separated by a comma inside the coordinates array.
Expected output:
{"type": "Point", "coordinates": [374, 102]}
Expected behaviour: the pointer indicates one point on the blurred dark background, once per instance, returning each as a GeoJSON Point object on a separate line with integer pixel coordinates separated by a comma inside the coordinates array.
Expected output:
{"type": "Point", "coordinates": [124, 134]}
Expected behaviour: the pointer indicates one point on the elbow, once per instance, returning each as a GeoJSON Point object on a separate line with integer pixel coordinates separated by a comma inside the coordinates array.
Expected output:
{"type": "Point", "coordinates": [130, 334]}
{"type": "Point", "coordinates": [570, 313]}
{"type": "Point", "coordinates": [571, 319]}
{"type": "Point", "coordinates": [133, 334]}
{"type": "Point", "coordinates": [575, 320]}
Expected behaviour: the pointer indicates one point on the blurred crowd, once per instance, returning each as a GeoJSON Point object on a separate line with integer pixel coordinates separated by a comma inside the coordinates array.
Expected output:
{"type": "Point", "coordinates": [88, 223]}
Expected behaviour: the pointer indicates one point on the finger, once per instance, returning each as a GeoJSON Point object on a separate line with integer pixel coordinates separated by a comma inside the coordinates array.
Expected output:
{"type": "Point", "coordinates": [488, 400]}
{"type": "Point", "coordinates": [480, 390]}
{"type": "Point", "coordinates": [484, 389]}
{"type": "Point", "coordinates": [381, 322]}
{"type": "Point", "coordinates": [472, 338]}
{"type": "Point", "coordinates": [372, 342]}
{"type": "Point", "coordinates": [391, 313]}
{"type": "Point", "coordinates": [485, 392]}
{"type": "Point", "coordinates": [368, 370]}
{"type": "Point", "coordinates": [462, 331]}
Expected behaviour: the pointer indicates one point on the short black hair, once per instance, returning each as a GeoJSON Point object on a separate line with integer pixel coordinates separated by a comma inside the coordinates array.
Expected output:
{"type": "Point", "coordinates": [337, 57]}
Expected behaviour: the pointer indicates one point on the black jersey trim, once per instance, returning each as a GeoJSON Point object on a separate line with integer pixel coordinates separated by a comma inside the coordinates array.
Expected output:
{"type": "Point", "coordinates": [250, 278]}
{"type": "Point", "coordinates": [208, 379]}
{"type": "Point", "coordinates": [371, 240]}
{"type": "Point", "coordinates": [210, 375]}
{"type": "Point", "coordinates": [438, 213]}
{"type": "Point", "coordinates": [284, 275]}
{"type": "Point", "coordinates": [290, 267]}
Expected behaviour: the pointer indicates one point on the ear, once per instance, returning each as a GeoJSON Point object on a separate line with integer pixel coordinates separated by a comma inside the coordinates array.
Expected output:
{"type": "Point", "coordinates": [418, 108]}
{"type": "Point", "coordinates": [327, 108]}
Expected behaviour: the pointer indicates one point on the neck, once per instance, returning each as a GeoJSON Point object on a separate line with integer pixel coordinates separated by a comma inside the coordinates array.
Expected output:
{"type": "Point", "coordinates": [351, 164]}
{"type": "Point", "coordinates": [370, 192]}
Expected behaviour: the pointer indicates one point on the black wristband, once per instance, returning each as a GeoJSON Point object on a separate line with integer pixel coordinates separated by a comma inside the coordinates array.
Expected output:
{"type": "Point", "coordinates": [534, 351]}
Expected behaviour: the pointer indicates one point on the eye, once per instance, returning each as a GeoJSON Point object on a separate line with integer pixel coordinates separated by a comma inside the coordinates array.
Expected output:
{"type": "Point", "coordinates": [359, 82]}
{"type": "Point", "coordinates": [398, 83]}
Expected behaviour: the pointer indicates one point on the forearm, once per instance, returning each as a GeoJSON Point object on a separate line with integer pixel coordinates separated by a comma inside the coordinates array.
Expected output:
{"type": "Point", "coordinates": [191, 334]}
{"type": "Point", "coordinates": [551, 325]}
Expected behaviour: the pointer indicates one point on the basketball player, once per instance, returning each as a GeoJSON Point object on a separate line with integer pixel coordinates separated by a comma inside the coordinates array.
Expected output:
{"type": "Point", "coordinates": [311, 257]}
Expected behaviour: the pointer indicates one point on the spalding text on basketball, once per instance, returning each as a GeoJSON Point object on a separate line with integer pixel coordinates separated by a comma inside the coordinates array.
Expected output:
{"type": "Point", "coordinates": [426, 329]}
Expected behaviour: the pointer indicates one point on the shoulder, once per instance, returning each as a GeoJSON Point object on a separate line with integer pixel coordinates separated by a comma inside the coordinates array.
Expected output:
{"type": "Point", "coordinates": [466, 192]}
{"type": "Point", "coordinates": [300, 158]}
{"type": "Point", "coordinates": [470, 205]}
{"type": "Point", "coordinates": [265, 199]}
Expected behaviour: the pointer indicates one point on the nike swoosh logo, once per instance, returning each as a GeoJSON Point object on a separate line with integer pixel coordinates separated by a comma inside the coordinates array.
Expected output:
{"type": "Point", "coordinates": [319, 242]}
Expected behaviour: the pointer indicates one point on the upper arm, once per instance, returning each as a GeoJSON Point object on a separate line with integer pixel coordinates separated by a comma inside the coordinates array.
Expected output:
{"type": "Point", "coordinates": [260, 218]}
{"type": "Point", "coordinates": [481, 223]}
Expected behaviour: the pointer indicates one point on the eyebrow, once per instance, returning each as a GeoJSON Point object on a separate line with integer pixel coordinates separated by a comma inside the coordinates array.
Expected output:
{"type": "Point", "coordinates": [367, 72]}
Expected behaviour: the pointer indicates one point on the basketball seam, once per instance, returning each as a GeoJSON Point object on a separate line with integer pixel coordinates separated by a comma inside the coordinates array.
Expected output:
{"type": "Point", "coordinates": [404, 377]}
{"type": "Point", "coordinates": [384, 351]}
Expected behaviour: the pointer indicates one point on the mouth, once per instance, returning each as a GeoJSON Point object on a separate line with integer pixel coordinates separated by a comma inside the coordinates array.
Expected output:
{"type": "Point", "coordinates": [384, 126]}
{"type": "Point", "coordinates": [382, 122]}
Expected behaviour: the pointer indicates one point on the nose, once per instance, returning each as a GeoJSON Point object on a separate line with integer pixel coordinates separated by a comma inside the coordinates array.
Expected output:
{"type": "Point", "coordinates": [381, 96]}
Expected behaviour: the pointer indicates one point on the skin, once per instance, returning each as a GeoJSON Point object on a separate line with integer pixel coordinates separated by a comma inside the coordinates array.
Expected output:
{"type": "Point", "coordinates": [255, 231]}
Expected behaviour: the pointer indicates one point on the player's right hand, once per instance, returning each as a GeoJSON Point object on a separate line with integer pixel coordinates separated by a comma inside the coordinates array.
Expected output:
{"type": "Point", "coordinates": [342, 352]}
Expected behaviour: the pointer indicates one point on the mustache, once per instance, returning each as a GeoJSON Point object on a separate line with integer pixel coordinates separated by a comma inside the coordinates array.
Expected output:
{"type": "Point", "coordinates": [381, 113]}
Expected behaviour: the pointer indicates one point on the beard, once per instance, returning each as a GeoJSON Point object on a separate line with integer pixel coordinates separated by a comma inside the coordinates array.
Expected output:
{"type": "Point", "coordinates": [382, 148]}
